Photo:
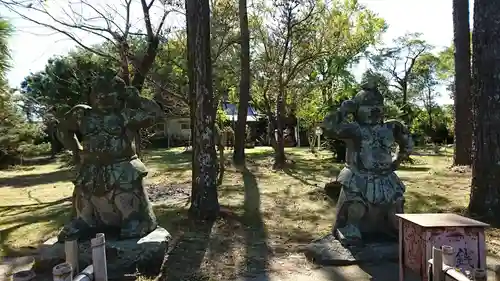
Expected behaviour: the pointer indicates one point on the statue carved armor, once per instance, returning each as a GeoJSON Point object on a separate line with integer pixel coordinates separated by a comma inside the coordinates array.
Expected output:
{"type": "Point", "coordinates": [109, 193]}
{"type": "Point", "coordinates": [371, 193]}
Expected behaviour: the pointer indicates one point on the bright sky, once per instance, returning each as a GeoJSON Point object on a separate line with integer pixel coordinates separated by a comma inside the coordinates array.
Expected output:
{"type": "Point", "coordinates": [32, 46]}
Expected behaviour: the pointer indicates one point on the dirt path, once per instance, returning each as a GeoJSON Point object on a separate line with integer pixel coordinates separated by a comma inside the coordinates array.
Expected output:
{"type": "Point", "coordinates": [286, 271]}
{"type": "Point", "coordinates": [376, 272]}
{"type": "Point", "coordinates": [380, 272]}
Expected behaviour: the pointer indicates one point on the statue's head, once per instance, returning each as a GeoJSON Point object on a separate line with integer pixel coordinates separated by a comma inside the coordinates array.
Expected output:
{"type": "Point", "coordinates": [370, 105]}
{"type": "Point", "coordinates": [106, 92]}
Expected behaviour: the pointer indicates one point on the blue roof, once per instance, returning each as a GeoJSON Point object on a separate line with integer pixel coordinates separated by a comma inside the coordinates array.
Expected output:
{"type": "Point", "coordinates": [232, 109]}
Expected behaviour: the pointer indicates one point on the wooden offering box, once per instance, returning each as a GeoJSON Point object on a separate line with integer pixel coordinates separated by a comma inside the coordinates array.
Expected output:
{"type": "Point", "coordinates": [418, 233]}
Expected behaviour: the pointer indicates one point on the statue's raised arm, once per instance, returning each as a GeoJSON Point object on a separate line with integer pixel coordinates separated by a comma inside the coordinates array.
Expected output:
{"type": "Point", "coordinates": [140, 112]}
{"type": "Point", "coordinates": [372, 193]}
{"type": "Point", "coordinates": [69, 126]}
{"type": "Point", "coordinates": [336, 123]}
{"type": "Point", "coordinates": [403, 139]}
{"type": "Point", "coordinates": [109, 192]}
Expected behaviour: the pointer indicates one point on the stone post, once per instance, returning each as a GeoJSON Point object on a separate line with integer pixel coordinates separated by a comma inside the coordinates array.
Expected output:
{"type": "Point", "coordinates": [71, 250]}
{"type": "Point", "coordinates": [98, 245]}
{"type": "Point", "coordinates": [62, 272]}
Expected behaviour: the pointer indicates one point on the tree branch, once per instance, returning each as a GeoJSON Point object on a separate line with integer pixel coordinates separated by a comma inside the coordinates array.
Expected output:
{"type": "Point", "coordinates": [147, 19]}
{"type": "Point", "coordinates": [68, 34]}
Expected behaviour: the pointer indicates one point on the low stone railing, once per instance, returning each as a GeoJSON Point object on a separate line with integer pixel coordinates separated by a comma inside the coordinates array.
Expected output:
{"type": "Point", "coordinates": [442, 267]}
{"type": "Point", "coordinates": [97, 271]}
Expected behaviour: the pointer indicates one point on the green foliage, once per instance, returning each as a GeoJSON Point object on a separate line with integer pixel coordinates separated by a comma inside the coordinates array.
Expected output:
{"type": "Point", "coordinates": [446, 68]}
{"type": "Point", "coordinates": [396, 62]}
{"type": "Point", "coordinates": [17, 136]}
{"type": "Point", "coordinates": [305, 55]}
{"type": "Point", "coordinates": [425, 73]}
{"type": "Point", "coordinates": [5, 32]}
{"type": "Point", "coordinates": [30, 149]}
{"type": "Point", "coordinates": [221, 116]}
{"type": "Point", "coordinates": [311, 111]}
{"type": "Point", "coordinates": [424, 81]}
{"type": "Point", "coordinates": [65, 82]}
{"type": "Point", "coordinates": [350, 30]}
{"type": "Point", "coordinates": [435, 126]}
{"type": "Point", "coordinates": [224, 41]}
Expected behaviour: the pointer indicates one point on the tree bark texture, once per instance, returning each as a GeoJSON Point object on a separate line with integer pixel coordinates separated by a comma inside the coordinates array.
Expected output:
{"type": "Point", "coordinates": [463, 109]}
{"type": "Point", "coordinates": [279, 156]}
{"type": "Point", "coordinates": [204, 198]}
{"type": "Point", "coordinates": [485, 195]}
{"type": "Point", "coordinates": [240, 130]}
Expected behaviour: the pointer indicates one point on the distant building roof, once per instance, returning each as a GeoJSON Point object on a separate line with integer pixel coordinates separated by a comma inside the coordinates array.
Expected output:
{"type": "Point", "coordinates": [232, 112]}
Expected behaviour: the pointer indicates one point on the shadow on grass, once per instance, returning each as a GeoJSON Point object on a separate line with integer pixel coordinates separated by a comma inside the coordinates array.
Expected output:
{"type": "Point", "coordinates": [184, 260]}
{"type": "Point", "coordinates": [294, 173]}
{"type": "Point", "coordinates": [40, 160]}
{"type": "Point", "coordinates": [418, 203]}
{"type": "Point", "coordinates": [384, 271]}
{"type": "Point", "coordinates": [171, 161]}
{"type": "Point", "coordinates": [432, 154]}
{"type": "Point", "coordinates": [167, 156]}
{"type": "Point", "coordinates": [36, 179]}
{"type": "Point", "coordinates": [257, 250]}
{"type": "Point", "coordinates": [26, 163]}
{"type": "Point", "coordinates": [16, 210]}
{"type": "Point", "coordinates": [306, 170]}
{"type": "Point", "coordinates": [414, 168]}
{"type": "Point", "coordinates": [259, 154]}
{"type": "Point", "coordinates": [56, 214]}
{"type": "Point", "coordinates": [452, 174]}
{"type": "Point", "coordinates": [379, 271]}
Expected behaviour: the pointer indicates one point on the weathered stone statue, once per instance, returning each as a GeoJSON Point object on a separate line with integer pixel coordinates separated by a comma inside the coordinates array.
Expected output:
{"type": "Point", "coordinates": [371, 192]}
{"type": "Point", "coordinates": [109, 193]}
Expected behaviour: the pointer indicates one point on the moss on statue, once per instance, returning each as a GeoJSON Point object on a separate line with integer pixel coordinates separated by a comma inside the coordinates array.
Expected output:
{"type": "Point", "coordinates": [109, 192]}
{"type": "Point", "coordinates": [371, 191]}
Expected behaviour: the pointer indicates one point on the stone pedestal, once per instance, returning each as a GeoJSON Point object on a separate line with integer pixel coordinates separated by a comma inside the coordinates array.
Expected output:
{"type": "Point", "coordinates": [144, 255]}
{"type": "Point", "coordinates": [330, 251]}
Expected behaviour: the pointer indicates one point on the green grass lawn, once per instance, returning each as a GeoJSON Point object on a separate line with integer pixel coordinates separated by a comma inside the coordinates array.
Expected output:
{"type": "Point", "coordinates": [276, 213]}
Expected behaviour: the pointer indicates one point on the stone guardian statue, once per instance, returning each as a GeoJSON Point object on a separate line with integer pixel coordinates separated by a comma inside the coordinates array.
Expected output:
{"type": "Point", "coordinates": [371, 192]}
{"type": "Point", "coordinates": [109, 194]}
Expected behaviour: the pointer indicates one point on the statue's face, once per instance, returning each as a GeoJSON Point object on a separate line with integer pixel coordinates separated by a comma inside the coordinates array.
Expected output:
{"type": "Point", "coordinates": [370, 114]}
{"type": "Point", "coordinates": [106, 101]}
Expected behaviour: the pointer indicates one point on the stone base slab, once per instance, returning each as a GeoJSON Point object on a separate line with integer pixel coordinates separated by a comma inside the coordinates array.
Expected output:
{"type": "Point", "coordinates": [144, 255]}
{"type": "Point", "coordinates": [329, 251]}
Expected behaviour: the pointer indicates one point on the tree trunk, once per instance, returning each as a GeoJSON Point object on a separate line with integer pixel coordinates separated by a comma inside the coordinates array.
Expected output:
{"type": "Point", "coordinates": [204, 199]}
{"type": "Point", "coordinates": [124, 72]}
{"type": "Point", "coordinates": [463, 110]}
{"type": "Point", "coordinates": [240, 130]}
{"type": "Point", "coordinates": [142, 69]}
{"type": "Point", "coordinates": [271, 128]}
{"type": "Point", "coordinates": [429, 108]}
{"type": "Point", "coordinates": [279, 156]}
{"type": "Point", "coordinates": [484, 199]}
{"type": "Point", "coordinates": [406, 114]}
{"type": "Point", "coordinates": [220, 143]}
{"type": "Point", "coordinates": [140, 73]}
{"type": "Point", "coordinates": [429, 113]}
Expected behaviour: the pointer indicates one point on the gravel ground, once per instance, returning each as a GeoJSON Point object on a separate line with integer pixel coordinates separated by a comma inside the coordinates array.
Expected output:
{"type": "Point", "coordinates": [168, 193]}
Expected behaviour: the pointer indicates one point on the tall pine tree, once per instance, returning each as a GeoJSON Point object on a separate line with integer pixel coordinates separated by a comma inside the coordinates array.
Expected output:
{"type": "Point", "coordinates": [240, 132]}
{"type": "Point", "coordinates": [463, 111]}
{"type": "Point", "coordinates": [204, 197]}
{"type": "Point", "coordinates": [485, 195]}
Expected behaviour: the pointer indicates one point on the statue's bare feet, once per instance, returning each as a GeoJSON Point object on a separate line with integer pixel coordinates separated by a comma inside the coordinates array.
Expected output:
{"type": "Point", "coordinates": [75, 229]}
{"type": "Point", "coordinates": [133, 229]}
{"type": "Point", "coordinates": [350, 235]}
